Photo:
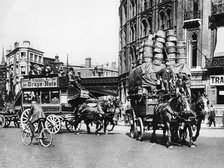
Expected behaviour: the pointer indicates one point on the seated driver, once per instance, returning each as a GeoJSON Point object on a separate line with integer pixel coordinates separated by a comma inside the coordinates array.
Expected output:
{"type": "Point", "coordinates": [36, 113]}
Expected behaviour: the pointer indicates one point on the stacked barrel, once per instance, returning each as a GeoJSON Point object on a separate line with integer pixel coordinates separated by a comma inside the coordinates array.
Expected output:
{"type": "Point", "coordinates": [159, 47]}
{"type": "Point", "coordinates": [181, 52]}
{"type": "Point", "coordinates": [162, 46]}
{"type": "Point", "coordinates": [171, 40]}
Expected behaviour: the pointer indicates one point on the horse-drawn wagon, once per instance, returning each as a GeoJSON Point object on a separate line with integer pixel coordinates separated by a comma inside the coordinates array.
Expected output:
{"type": "Point", "coordinates": [54, 93]}
{"type": "Point", "coordinates": [8, 115]}
{"type": "Point", "coordinates": [152, 108]}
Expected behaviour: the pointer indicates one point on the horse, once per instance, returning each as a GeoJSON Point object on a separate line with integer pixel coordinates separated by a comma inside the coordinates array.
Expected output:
{"type": "Point", "coordinates": [170, 114]}
{"type": "Point", "coordinates": [111, 111]}
{"type": "Point", "coordinates": [200, 107]}
{"type": "Point", "coordinates": [89, 113]}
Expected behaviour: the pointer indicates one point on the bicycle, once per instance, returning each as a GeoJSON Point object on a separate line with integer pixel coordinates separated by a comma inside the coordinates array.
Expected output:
{"type": "Point", "coordinates": [45, 136]}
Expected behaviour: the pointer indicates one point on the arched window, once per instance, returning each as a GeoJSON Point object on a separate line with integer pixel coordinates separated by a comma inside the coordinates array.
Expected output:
{"type": "Point", "coordinates": [144, 28]}
{"type": "Point", "coordinates": [168, 18]}
{"type": "Point", "coordinates": [161, 20]}
{"type": "Point", "coordinates": [194, 44]}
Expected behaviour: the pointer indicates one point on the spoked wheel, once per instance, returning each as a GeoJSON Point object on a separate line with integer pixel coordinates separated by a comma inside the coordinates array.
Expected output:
{"type": "Point", "coordinates": [47, 138]}
{"type": "Point", "coordinates": [26, 136]}
{"type": "Point", "coordinates": [2, 121]}
{"type": "Point", "coordinates": [140, 128]}
{"type": "Point", "coordinates": [24, 119]}
{"type": "Point", "coordinates": [7, 122]}
{"type": "Point", "coordinates": [53, 123]}
{"type": "Point", "coordinates": [72, 126]}
{"type": "Point", "coordinates": [133, 129]}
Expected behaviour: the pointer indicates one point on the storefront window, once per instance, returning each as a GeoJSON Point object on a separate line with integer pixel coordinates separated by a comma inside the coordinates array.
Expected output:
{"type": "Point", "coordinates": [45, 97]}
{"type": "Point", "coordinates": [28, 96]}
{"type": "Point", "coordinates": [220, 95]}
{"type": "Point", "coordinates": [55, 97]}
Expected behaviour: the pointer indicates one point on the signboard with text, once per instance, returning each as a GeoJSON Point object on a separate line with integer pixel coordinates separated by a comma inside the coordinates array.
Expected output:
{"type": "Point", "coordinates": [40, 82]}
{"type": "Point", "coordinates": [217, 80]}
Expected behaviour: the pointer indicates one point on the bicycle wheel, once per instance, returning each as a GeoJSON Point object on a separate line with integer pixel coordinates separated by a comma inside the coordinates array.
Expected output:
{"type": "Point", "coordinates": [26, 137]}
{"type": "Point", "coordinates": [47, 138]}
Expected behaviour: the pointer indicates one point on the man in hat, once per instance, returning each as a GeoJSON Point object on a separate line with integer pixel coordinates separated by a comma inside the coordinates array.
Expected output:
{"type": "Point", "coordinates": [36, 113]}
{"type": "Point", "coordinates": [167, 76]}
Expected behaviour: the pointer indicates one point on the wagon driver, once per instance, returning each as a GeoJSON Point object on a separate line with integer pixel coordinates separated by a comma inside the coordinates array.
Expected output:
{"type": "Point", "coordinates": [167, 76]}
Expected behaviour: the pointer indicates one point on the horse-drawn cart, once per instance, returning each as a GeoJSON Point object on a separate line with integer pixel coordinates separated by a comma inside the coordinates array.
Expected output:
{"type": "Point", "coordinates": [8, 115]}
{"type": "Point", "coordinates": [54, 93]}
{"type": "Point", "coordinates": [152, 108]}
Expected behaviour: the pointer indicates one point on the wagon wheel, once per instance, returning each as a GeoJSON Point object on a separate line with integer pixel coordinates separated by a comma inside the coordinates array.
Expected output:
{"type": "Point", "coordinates": [70, 125]}
{"type": "Point", "coordinates": [53, 123]}
{"type": "Point", "coordinates": [2, 121]}
{"type": "Point", "coordinates": [133, 129]}
{"type": "Point", "coordinates": [7, 122]}
{"type": "Point", "coordinates": [24, 118]}
{"type": "Point", "coordinates": [140, 128]}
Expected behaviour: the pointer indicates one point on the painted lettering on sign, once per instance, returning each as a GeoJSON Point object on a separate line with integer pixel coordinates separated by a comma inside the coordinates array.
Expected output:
{"type": "Point", "coordinates": [217, 80]}
{"type": "Point", "coordinates": [39, 82]}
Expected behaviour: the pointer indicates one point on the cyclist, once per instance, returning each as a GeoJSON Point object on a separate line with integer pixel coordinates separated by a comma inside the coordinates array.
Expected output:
{"type": "Point", "coordinates": [36, 113]}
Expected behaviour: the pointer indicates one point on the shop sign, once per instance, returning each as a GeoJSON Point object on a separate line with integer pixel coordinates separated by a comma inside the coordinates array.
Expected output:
{"type": "Point", "coordinates": [217, 80]}
{"type": "Point", "coordinates": [40, 82]}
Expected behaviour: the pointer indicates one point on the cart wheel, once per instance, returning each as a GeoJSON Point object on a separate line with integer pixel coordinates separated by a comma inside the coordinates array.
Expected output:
{"type": "Point", "coordinates": [2, 121]}
{"type": "Point", "coordinates": [133, 129]}
{"type": "Point", "coordinates": [70, 125]}
{"type": "Point", "coordinates": [24, 119]}
{"type": "Point", "coordinates": [53, 123]}
{"type": "Point", "coordinates": [7, 123]}
{"type": "Point", "coordinates": [140, 128]}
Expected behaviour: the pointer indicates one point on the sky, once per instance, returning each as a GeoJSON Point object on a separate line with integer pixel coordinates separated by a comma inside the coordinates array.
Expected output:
{"type": "Point", "coordinates": [77, 28]}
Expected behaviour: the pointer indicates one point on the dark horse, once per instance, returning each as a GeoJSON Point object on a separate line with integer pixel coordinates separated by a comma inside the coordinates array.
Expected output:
{"type": "Point", "coordinates": [200, 107]}
{"type": "Point", "coordinates": [90, 112]}
{"type": "Point", "coordinates": [170, 114]}
{"type": "Point", "coordinates": [111, 110]}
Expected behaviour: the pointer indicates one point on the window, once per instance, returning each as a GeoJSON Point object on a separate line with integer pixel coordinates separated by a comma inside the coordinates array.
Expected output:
{"type": "Point", "coordinates": [194, 44]}
{"type": "Point", "coordinates": [220, 95]}
{"type": "Point", "coordinates": [161, 21]}
{"type": "Point", "coordinates": [169, 18]}
{"type": "Point", "coordinates": [31, 57]}
{"type": "Point", "coordinates": [45, 97]}
{"type": "Point", "coordinates": [55, 97]}
{"type": "Point", "coordinates": [35, 58]}
{"type": "Point", "coordinates": [39, 61]}
{"type": "Point", "coordinates": [23, 70]}
{"type": "Point", "coordinates": [23, 55]}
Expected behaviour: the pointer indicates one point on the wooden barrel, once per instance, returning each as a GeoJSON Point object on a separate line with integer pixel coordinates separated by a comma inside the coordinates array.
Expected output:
{"type": "Point", "coordinates": [158, 56]}
{"type": "Point", "coordinates": [171, 50]}
{"type": "Point", "coordinates": [181, 48]}
{"type": "Point", "coordinates": [151, 37]}
{"type": "Point", "coordinates": [161, 33]}
{"type": "Point", "coordinates": [170, 33]}
{"type": "Point", "coordinates": [172, 38]}
{"type": "Point", "coordinates": [170, 44]}
{"type": "Point", "coordinates": [160, 39]}
{"type": "Point", "coordinates": [172, 56]}
{"type": "Point", "coordinates": [182, 59]}
{"type": "Point", "coordinates": [148, 51]}
{"type": "Point", "coordinates": [147, 59]}
{"type": "Point", "coordinates": [158, 44]}
{"type": "Point", "coordinates": [158, 50]}
{"type": "Point", "coordinates": [157, 62]}
{"type": "Point", "coordinates": [148, 43]}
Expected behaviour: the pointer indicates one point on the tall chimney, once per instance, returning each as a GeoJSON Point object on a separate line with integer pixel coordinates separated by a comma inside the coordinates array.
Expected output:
{"type": "Point", "coordinates": [88, 62]}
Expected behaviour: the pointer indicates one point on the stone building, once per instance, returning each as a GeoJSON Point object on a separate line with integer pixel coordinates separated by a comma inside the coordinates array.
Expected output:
{"type": "Point", "coordinates": [190, 21]}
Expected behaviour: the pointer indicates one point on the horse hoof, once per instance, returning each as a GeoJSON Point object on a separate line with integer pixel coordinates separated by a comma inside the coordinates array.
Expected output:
{"type": "Point", "coordinates": [193, 146]}
{"type": "Point", "coordinates": [170, 147]}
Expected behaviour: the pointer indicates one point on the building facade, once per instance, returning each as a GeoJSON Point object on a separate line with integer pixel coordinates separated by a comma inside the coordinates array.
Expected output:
{"type": "Point", "coordinates": [190, 21]}
{"type": "Point", "coordinates": [19, 61]}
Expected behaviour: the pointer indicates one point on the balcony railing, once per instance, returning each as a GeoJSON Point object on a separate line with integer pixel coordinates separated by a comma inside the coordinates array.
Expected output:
{"type": "Point", "coordinates": [188, 15]}
{"type": "Point", "coordinates": [217, 7]}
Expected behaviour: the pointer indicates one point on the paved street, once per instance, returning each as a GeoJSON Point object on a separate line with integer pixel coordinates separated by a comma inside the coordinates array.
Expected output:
{"type": "Point", "coordinates": [114, 150]}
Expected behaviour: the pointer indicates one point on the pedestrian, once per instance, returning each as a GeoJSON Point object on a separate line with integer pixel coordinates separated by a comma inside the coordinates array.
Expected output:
{"type": "Point", "coordinates": [211, 116]}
